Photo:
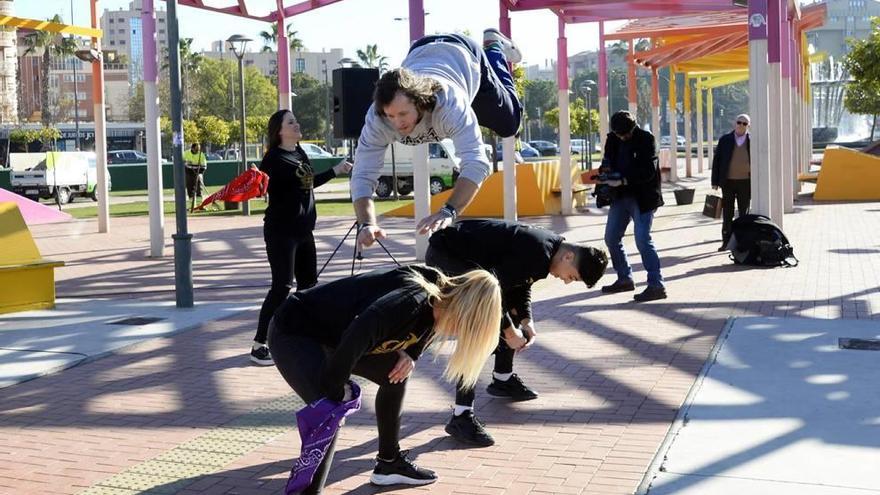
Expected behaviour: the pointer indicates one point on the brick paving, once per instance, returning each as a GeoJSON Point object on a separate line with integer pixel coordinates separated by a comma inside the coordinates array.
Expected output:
{"type": "Point", "coordinates": [611, 373]}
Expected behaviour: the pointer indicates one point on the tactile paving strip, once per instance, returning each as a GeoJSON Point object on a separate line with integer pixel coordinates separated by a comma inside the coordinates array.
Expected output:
{"type": "Point", "coordinates": [181, 466]}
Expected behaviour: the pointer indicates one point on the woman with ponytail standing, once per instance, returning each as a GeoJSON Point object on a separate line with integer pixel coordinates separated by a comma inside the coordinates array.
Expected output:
{"type": "Point", "coordinates": [289, 221]}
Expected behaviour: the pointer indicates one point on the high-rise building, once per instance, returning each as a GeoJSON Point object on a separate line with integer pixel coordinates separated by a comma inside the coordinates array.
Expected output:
{"type": "Point", "coordinates": [311, 63]}
{"type": "Point", "coordinates": [8, 63]}
{"type": "Point", "coordinates": [123, 33]}
{"type": "Point", "coordinates": [845, 19]}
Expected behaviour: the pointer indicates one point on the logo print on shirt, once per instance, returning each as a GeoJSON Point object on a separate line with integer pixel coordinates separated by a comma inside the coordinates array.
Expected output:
{"type": "Point", "coordinates": [395, 345]}
{"type": "Point", "coordinates": [429, 136]}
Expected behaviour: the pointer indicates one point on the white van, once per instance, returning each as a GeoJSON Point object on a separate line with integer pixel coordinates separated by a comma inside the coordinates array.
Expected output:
{"type": "Point", "coordinates": [442, 162]}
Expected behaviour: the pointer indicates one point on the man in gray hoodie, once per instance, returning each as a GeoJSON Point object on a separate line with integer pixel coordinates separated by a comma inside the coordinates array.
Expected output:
{"type": "Point", "coordinates": [447, 87]}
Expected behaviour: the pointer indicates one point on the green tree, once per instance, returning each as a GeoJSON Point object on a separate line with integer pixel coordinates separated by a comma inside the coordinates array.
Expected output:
{"type": "Point", "coordinates": [218, 89]}
{"type": "Point", "coordinates": [309, 105]}
{"type": "Point", "coordinates": [577, 111]}
{"type": "Point", "coordinates": [190, 65]}
{"type": "Point", "coordinates": [48, 136]}
{"type": "Point", "coordinates": [191, 133]}
{"type": "Point", "coordinates": [270, 39]}
{"type": "Point", "coordinates": [213, 130]}
{"type": "Point", "coordinates": [24, 137]}
{"type": "Point", "coordinates": [372, 59]}
{"type": "Point", "coordinates": [47, 45]}
{"type": "Point", "coordinates": [539, 97]}
{"type": "Point", "coordinates": [863, 64]}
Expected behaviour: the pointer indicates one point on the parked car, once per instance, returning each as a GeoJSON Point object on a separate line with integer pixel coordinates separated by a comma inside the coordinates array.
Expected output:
{"type": "Point", "coordinates": [525, 151]}
{"type": "Point", "coordinates": [546, 148]}
{"type": "Point", "coordinates": [117, 157]}
{"type": "Point", "coordinates": [315, 151]}
{"type": "Point", "coordinates": [679, 141]}
{"type": "Point", "coordinates": [122, 157]}
{"type": "Point", "coordinates": [578, 145]}
{"type": "Point", "coordinates": [213, 156]}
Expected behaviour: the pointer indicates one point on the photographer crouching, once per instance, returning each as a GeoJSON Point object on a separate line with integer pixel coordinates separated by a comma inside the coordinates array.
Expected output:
{"type": "Point", "coordinates": [629, 180]}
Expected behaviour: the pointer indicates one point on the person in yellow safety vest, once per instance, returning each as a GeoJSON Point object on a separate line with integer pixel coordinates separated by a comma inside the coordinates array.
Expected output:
{"type": "Point", "coordinates": [195, 163]}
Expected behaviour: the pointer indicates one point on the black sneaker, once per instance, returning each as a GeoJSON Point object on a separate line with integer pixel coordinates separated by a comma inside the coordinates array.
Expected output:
{"type": "Point", "coordinates": [514, 388]}
{"type": "Point", "coordinates": [619, 286]}
{"type": "Point", "coordinates": [468, 429]}
{"type": "Point", "coordinates": [401, 471]}
{"type": "Point", "coordinates": [261, 356]}
{"type": "Point", "coordinates": [650, 294]}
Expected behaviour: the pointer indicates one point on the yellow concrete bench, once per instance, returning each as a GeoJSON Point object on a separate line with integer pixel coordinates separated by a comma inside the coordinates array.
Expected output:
{"type": "Point", "coordinates": [808, 177]}
{"type": "Point", "coordinates": [27, 281]}
{"type": "Point", "coordinates": [848, 175]}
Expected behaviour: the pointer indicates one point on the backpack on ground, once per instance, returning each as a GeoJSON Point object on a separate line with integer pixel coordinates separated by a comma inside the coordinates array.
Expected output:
{"type": "Point", "coordinates": [756, 240]}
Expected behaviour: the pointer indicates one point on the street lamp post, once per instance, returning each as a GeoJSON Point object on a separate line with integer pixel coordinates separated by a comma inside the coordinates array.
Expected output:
{"type": "Point", "coordinates": [326, 104]}
{"type": "Point", "coordinates": [238, 43]}
{"type": "Point", "coordinates": [588, 138]}
{"type": "Point", "coordinates": [75, 89]}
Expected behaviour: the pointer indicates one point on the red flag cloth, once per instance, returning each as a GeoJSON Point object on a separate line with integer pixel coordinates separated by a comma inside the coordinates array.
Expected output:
{"type": "Point", "coordinates": [251, 184]}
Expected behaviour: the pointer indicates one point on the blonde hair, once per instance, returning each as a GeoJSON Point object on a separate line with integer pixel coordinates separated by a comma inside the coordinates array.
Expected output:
{"type": "Point", "coordinates": [470, 307]}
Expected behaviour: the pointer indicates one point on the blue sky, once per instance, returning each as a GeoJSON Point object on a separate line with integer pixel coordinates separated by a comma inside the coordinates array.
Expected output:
{"type": "Point", "coordinates": [352, 24]}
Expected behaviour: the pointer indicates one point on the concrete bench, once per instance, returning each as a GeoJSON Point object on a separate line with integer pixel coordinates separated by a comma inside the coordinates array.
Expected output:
{"type": "Point", "coordinates": [27, 281]}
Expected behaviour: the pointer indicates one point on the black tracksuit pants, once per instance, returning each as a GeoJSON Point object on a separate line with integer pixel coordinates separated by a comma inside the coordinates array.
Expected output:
{"type": "Point", "coordinates": [450, 265]}
{"type": "Point", "coordinates": [739, 190]}
{"type": "Point", "coordinates": [291, 255]}
{"type": "Point", "coordinates": [300, 360]}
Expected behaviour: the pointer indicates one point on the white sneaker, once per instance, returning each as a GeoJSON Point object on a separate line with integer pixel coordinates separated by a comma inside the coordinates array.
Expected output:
{"type": "Point", "coordinates": [514, 56]}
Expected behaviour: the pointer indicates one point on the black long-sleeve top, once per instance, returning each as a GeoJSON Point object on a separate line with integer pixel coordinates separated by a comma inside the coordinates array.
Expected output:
{"type": "Point", "coordinates": [291, 189]}
{"type": "Point", "coordinates": [371, 313]}
{"type": "Point", "coordinates": [641, 169]}
{"type": "Point", "coordinates": [517, 254]}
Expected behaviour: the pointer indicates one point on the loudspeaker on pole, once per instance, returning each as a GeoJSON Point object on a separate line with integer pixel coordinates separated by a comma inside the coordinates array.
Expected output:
{"type": "Point", "coordinates": [352, 95]}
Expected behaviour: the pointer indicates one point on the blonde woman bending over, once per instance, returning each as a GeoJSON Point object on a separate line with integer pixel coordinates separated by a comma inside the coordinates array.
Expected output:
{"type": "Point", "coordinates": [376, 325]}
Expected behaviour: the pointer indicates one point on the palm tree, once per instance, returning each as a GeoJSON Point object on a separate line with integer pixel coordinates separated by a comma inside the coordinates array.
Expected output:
{"type": "Point", "coordinates": [48, 44]}
{"type": "Point", "coordinates": [190, 63]}
{"type": "Point", "coordinates": [270, 39]}
{"type": "Point", "coordinates": [371, 58]}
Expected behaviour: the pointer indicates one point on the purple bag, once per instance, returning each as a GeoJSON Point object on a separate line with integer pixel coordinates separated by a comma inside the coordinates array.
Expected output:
{"type": "Point", "coordinates": [318, 423]}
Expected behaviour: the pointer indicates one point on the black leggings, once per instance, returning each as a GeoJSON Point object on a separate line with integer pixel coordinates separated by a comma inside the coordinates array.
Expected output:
{"type": "Point", "coordinates": [300, 360]}
{"type": "Point", "coordinates": [496, 105]}
{"type": "Point", "coordinates": [290, 255]}
{"type": "Point", "coordinates": [451, 265]}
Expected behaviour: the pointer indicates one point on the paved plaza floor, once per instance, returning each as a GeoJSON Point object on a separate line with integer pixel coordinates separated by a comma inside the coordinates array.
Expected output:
{"type": "Point", "coordinates": [174, 405]}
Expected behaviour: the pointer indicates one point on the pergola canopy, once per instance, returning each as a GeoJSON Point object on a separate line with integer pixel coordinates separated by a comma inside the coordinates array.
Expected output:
{"type": "Point", "coordinates": [577, 11]}
{"type": "Point", "coordinates": [705, 42]}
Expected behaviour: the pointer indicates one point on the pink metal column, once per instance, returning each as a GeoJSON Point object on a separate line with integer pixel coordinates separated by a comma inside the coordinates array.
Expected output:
{"type": "Point", "coordinates": [631, 81]}
{"type": "Point", "coordinates": [151, 125]}
{"type": "Point", "coordinates": [603, 85]}
{"type": "Point", "coordinates": [283, 66]}
{"type": "Point", "coordinates": [416, 20]}
{"type": "Point", "coordinates": [100, 129]}
{"type": "Point", "coordinates": [774, 120]}
{"type": "Point", "coordinates": [759, 107]}
{"type": "Point", "coordinates": [788, 123]}
{"type": "Point", "coordinates": [564, 119]}
{"type": "Point", "coordinates": [655, 102]}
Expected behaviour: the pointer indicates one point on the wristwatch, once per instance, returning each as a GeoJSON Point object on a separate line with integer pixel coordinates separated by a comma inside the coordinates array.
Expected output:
{"type": "Point", "coordinates": [449, 211]}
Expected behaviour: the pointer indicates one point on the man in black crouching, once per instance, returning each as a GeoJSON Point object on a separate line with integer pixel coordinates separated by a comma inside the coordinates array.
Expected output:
{"type": "Point", "coordinates": [519, 255]}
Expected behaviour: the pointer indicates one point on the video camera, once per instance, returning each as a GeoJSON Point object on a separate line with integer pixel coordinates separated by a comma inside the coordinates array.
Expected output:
{"type": "Point", "coordinates": [604, 193]}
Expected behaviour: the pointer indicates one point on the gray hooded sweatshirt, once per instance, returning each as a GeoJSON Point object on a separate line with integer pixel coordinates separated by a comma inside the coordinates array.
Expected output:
{"type": "Point", "coordinates": [458, 72]}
